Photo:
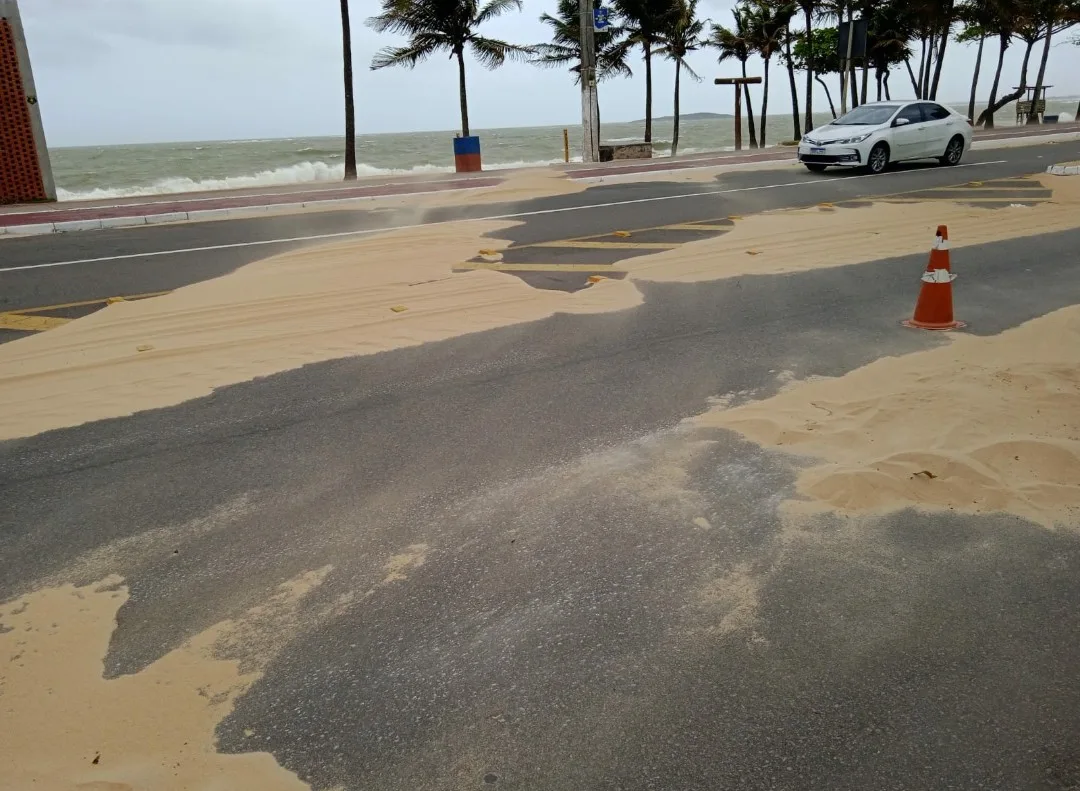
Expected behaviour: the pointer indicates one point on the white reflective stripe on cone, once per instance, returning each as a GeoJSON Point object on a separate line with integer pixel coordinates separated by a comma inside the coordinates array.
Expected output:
{"type": "Point", "coordinates": [941, 244]}
{"type": "Point", "coordinates": [938, 276]}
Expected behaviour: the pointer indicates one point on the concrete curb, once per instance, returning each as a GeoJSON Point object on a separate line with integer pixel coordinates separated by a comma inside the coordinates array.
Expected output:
{"type": "Point", "coordinates": [199, 215]}
{"type": "Point", "coordinates": [1069, 169]}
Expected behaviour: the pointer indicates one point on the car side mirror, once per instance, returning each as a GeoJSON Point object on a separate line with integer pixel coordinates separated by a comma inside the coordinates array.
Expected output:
{"type": "Point", "coordinates": [901, 122]}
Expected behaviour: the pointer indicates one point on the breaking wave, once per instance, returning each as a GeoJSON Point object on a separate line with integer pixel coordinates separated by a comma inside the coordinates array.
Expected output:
{"type": "Point", "coordinates": [300, 173]}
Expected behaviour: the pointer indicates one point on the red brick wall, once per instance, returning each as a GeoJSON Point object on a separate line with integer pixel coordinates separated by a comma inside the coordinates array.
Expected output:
{"type": "Point", "coordinates": [20, 171]}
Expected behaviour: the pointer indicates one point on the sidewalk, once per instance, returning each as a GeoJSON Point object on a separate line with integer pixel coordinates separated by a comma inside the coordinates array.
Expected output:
{"type": "Point", "coordinates": [155, 209]}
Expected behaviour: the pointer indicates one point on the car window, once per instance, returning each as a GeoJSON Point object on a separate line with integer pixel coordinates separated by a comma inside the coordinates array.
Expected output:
{"type": "Point", "coordinates": [867, 115]}
{"type": "Point", "coordinates": [935, 112]}
{"type": "Point", "coordinates": [912, 112]}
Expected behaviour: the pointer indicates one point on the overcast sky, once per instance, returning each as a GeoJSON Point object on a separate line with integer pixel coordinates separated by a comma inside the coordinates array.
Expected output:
{"type": "Point", "coordinates": [118, 71]}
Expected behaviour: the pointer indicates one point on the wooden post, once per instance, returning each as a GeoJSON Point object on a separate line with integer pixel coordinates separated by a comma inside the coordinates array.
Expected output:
{"type": "Point", "coordinates": [738, 82]}
{"type": "Point", "coordinates": [738, 118]}
{"type": "Point", "coordinates": [566, 145]}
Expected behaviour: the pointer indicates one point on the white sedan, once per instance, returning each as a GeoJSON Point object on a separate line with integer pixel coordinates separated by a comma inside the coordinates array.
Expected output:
{"type": "Point", "coordinates": [875, 134]}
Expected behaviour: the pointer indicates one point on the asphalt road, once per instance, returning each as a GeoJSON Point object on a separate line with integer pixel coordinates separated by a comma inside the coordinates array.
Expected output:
{"type": "Point", "coordinates": [159, 258]}
{"type": "Point", "coordinates": [565, 630]}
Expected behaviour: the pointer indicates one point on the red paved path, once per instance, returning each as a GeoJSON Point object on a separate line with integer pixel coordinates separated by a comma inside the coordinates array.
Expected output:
{"type": "Point", "coordinates": [150, 206]}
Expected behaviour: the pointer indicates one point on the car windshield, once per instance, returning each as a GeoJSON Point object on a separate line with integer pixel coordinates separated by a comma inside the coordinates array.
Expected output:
{"type": "Point", "coordinates": [867, 115]}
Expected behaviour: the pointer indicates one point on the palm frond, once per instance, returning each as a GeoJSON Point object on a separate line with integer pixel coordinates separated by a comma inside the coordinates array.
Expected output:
{"type": "Point", "coordinates": [554, 55]}
{"type": "Point", "coordinates": [493, 52]}
{"type": "Point", "coordinates": [495, 8]}
{"type": "Point", "coordinates": [417, 51]}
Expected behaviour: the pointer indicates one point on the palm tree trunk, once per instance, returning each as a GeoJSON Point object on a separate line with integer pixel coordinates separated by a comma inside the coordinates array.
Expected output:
{"type": "Point", "coordinates": [850, 76]}
{"type": "Point", "coordinates": [941, 50]}
{"type": "Point", "coordinates": [1033, 117]}
{"type": "Point", "coordinates": [987, 117]}
{"type": "Point", "coordinates": [675, 131]}
{"type": "Point", "coordinates": [885, 80]}
{"type": "Point", "coordinates": [598, 120]}
{"type": "Point", "coordinates": [924, 89]}
{"type": "Point", "coordinates": [809, 70]}
{"type": "Point", "coordinates": [1020, 90]}
{"type": "Point", "coordinates": [922, 69]}
{"type": "Point", "coordinates": [865, 79]}
{"type": "Point", "coordinates": [828, 96]}
{"type": "Point", "coordinates": [764, 103]}
{"type": "Point", "coordinates": [795, 128]}
{"type": "Point", "coordinates": [749, 111]}
{"type": "Point", "coordinates": [350, 107]}
{"type": "Point", "coordinates": [975, 79]}
{"type": "Point", "coordinates": [879, 76]}
{"type": "Point", "coordinates": [911, 74]}
{"type": "Point", "coordinates": [648, 93]}
{"type": "Point", "coordinates": [462, 96]}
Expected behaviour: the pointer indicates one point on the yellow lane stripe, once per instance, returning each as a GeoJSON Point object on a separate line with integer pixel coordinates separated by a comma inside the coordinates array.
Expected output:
{"type": "Point", "coordinates": [1010, 188]}
{"type": "Point", "coordinates": [961, 199]}
{"type": "Point", "coordinates": [86, 302]}
{"type": "Point", "coordinates": [540, 267]}
{"type": "Point", "coordinates": [16, 321]}
{"type": "Point", "coordinates": [697, 226]}
{"type": "Point", "coordinates": [607, 245]}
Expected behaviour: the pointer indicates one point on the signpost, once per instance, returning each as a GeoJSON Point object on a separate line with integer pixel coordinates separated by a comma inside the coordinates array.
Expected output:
{"type": "Point", "coordinates": [738, 82]}
{"type": "Point", "coordinates": [601, 19]}
{"type": "Point", "coordinates": [849, 47]}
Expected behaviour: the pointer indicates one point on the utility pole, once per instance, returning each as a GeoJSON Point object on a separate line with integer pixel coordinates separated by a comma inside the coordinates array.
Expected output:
{"type": "Point", "coordinates": [589, 121]}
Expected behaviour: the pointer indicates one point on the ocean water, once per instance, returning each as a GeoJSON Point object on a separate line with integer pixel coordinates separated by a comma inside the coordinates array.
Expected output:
{"type": "Point", "coordinates": [161, 168]}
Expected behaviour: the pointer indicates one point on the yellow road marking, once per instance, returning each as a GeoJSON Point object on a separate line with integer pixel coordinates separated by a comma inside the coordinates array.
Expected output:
{"type": "Point", "coordinates": [540, 267]}
{"type": "Point", "coordinates": [608, 245]}
{"type": "Point", "coordinates": [697, 226]}
{"type": "Point", "coordinates": [86, 302]}
{"type": "Point", "coordinates": [1025, 188]}
{"type": "Point", "coordinates": [16, 321]}
{"type": "Point", "coordinates": [961, 199]}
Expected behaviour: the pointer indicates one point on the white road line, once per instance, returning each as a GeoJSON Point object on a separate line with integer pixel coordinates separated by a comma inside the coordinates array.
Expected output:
{"type": "Point", "coordinates": [514, 216]}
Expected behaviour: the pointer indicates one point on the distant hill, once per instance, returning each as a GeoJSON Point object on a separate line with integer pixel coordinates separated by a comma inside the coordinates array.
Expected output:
{"type": "Point", "coordinates": [690, 117]}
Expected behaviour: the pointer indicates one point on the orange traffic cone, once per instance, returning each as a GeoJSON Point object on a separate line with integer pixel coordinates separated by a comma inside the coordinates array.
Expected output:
{"type": "Point", "coordinates": [934, 310]}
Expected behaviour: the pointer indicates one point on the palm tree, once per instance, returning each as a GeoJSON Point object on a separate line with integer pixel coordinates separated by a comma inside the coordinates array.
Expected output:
{"type": "Point", "coordinates": [789, 38]}
{"type": "Point", "coordinates": [768, 22]}
{"type": "Point", "coordinates": [891, 26]}
{"type": "Point", "coordinates": [1058, 16]}
{"type": "Point", "coordinates": [350, 109]}
{"type": "Point", "coordinates": [738, 44]}
{"type": "Point", "coordinates": [973, 16]}
{"type": "Point", "coordinates": [444, 25]}
{"type": "Point", "coordinates": [681, 37]}
{"type": "Point", "coordinates": [645, 21]}
{"type": "Point", "coordinates": [808, 8]}
{"type": "Point", "coordinates": [564, 49]}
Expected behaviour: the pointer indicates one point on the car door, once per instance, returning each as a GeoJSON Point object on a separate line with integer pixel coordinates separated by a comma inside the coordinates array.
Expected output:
{"type": "Point", "coordinates": [940, 127]}
{"type": "Point", "coordinates": [908, 140]}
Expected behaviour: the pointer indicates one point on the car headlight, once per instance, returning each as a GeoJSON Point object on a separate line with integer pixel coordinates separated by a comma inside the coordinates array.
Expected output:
{"type": "Point", "coordinates": [847, 141]}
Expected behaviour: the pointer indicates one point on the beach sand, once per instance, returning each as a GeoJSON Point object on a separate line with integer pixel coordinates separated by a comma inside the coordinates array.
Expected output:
{"type": "Point", "coordinates": [359, 297]}
{"type": "Point", "coordinates": [342, 300]}
{"type": "Point", "coordinates": [65, 726]}
{"type": "Point", "coordinates": [979, 425]}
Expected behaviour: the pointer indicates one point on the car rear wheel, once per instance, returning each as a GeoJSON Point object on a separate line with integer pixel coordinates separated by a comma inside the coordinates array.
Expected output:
{"type": "Point", "coordinates": [814, 167]}
{"type": "Point", "coordinates": [954, 151]}
{"type": "Point", "coordinates": [878, 159]}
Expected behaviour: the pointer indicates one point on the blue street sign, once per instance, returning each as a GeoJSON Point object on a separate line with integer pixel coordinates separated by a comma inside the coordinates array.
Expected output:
{"type": "Point", "coordinates": [601, 19]}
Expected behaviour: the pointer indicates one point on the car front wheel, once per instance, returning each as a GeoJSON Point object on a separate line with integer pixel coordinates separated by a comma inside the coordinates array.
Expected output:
{"type": "Point", "coordinates": [954, 151]}
{"type": "Point", "coordinates": [878, 159]}
{"type": "Point", "coordinates": [814, 167]}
